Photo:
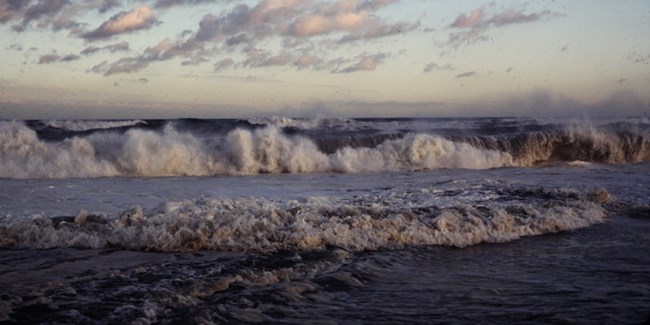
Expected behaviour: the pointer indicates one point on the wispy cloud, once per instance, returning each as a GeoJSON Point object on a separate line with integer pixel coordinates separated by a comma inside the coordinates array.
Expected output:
{"type": "Point", "coordinates": [639, 58]}
{"type": "Point", "coordinates": [70, 57]}
{"type": "Point", "coordinates": [123, 22]}
{"type": "Point", "coordinates": [51, 58]}
{"type": "Point", "coordinates": [171, 3]}
{"type": "Point", "coordinates": [117, 47]}
{"type": "Point", "coordinates": [467, 74]}
{"type": "Point", "coordinates": [469, 20]}
{"type": "Point", "coordinates": [473, 27]}
{"type": "Point", "coordinates": [437, 67]}
{"type": "Point", "coordinates": [223, 64]}
{"type": "Point", "coordinates": [366, 63]}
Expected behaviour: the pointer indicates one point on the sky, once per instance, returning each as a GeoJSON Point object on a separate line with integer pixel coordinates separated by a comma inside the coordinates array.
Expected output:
{"type": "Point", "coordinates": [62, 59]}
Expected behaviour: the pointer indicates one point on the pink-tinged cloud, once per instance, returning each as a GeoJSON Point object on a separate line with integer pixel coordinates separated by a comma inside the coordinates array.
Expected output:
{"type": "Point", "coordinates": [480, 18]}
{"type": "Point", "coordinates": [124, 22]}
{"type": "Point", "coordinates": [464, 21]}
{"type": "Point", "coordinates": [316, 24]}
{"type": "Point", "coordinates": [475, 25]}
{"type": "Point", "coordinates": [304, 27]}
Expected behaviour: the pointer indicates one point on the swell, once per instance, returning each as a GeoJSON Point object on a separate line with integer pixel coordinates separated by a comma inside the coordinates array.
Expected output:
{"type": "Point", "coordinates": [178, 150]}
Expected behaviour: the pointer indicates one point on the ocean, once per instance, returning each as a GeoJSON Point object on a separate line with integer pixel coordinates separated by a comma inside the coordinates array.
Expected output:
{"type": "Point", "coordinates": [325, 221]}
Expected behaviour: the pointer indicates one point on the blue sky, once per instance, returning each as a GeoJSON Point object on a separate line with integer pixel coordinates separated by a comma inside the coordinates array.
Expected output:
{"type": "Point", "coordinates": [228, 58]}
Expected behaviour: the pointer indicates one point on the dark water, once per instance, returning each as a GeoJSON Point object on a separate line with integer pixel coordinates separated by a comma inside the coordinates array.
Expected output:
{"type": "Point", "coordinates": [596, 275]}
{"type": "Point", "coordinates": [325, 221]}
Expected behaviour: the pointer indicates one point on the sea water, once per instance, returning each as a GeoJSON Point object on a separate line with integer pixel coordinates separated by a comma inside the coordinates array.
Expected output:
{"type": "Point", "coordinates": [280, 220]}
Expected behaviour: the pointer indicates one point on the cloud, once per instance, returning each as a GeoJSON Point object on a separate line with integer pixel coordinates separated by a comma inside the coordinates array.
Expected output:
{"type": "Point", "coordinates": [366, 63]}
{"type": "Point", "coordinates": [472, 19]}
{"type": "Point", "coordinates": [165, 50]}
{"type": "Point", "coordinates": [277, 60]}
{"type": "Point", "coordinates": [99, 68]}
{"type": "Point", "coordinates": [54, 14]}
{"type": "Point", "coordinates": [472, 27]}
{"type": "Point", "coordinates": [11, 9]}
{"type": "Point", "coordinates": [223, 64]}
{"type": "Point", "coordinates": [90, 50]}
{"type": "Point", "coordinates": [436, 67]}
{"type": "Point", "coordinates": [430, 67]}
{"type": "Point", "coordinates": [43, 8]}
{"type": "Point", "coordinates": [303, 28]}
{"type": "Point", "coordinates": [466, 74]}
{"type": "Point", "coordinates": [124, 65]}
{"type": "Point", "coordinates": [112, 48]}
{"type": "Point", "coordinates": [15, 47]}
{"type": "Point", "coordinates": [639, 58]}
{"type": "Point", "coordinates": [48, 58]}
{"type": "Point", "coordinates": [70, 57]}
{"type": "Point", "coordinates": [171, 3]}
{"type": "Point", "coordinates": [121, 46]}
{"type": "Point", "coordinates": [123, 22]}
{"type": "Point", "coordinates": [307, 60]}
{"type": "Point", "coordinates": [105, 5]}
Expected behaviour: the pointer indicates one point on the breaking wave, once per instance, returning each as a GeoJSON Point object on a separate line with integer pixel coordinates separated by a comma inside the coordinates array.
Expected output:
{"type": "Point", "coordinates": [243, 151]}
{"type": "Point", "coordinates": [261, 225]}
{"type": "Point", "coordinates": [588, 144]}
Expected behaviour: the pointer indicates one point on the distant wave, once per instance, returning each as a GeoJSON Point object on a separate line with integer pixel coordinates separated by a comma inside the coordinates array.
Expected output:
{"type": "Point", "coordinates": [87, 125]}
{"type": "Point", "coordinates": [246, 225]}
{"type": "Point", "coordinates": [305, 123]}
{"type": "Point", "coordinates": [242, 151]}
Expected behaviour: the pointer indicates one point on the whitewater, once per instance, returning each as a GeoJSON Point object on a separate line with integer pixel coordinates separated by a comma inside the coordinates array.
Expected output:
{"type": "Point", "coordinates": [326, 220]}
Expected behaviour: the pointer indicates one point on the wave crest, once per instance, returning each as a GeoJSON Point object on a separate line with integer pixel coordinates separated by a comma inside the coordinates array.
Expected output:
{"type": "Point", "coordinates": [169, 152]}
{"type": "Point", "coordinates": [266, 150]}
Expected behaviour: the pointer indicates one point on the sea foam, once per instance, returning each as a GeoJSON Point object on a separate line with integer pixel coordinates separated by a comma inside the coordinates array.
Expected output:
{"type": "Point", "coordinates": [265, 150]}
{"type": "Point", "coordinates": [144, 152]}
{"type": "Point", "coordinates": [256, 224]}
